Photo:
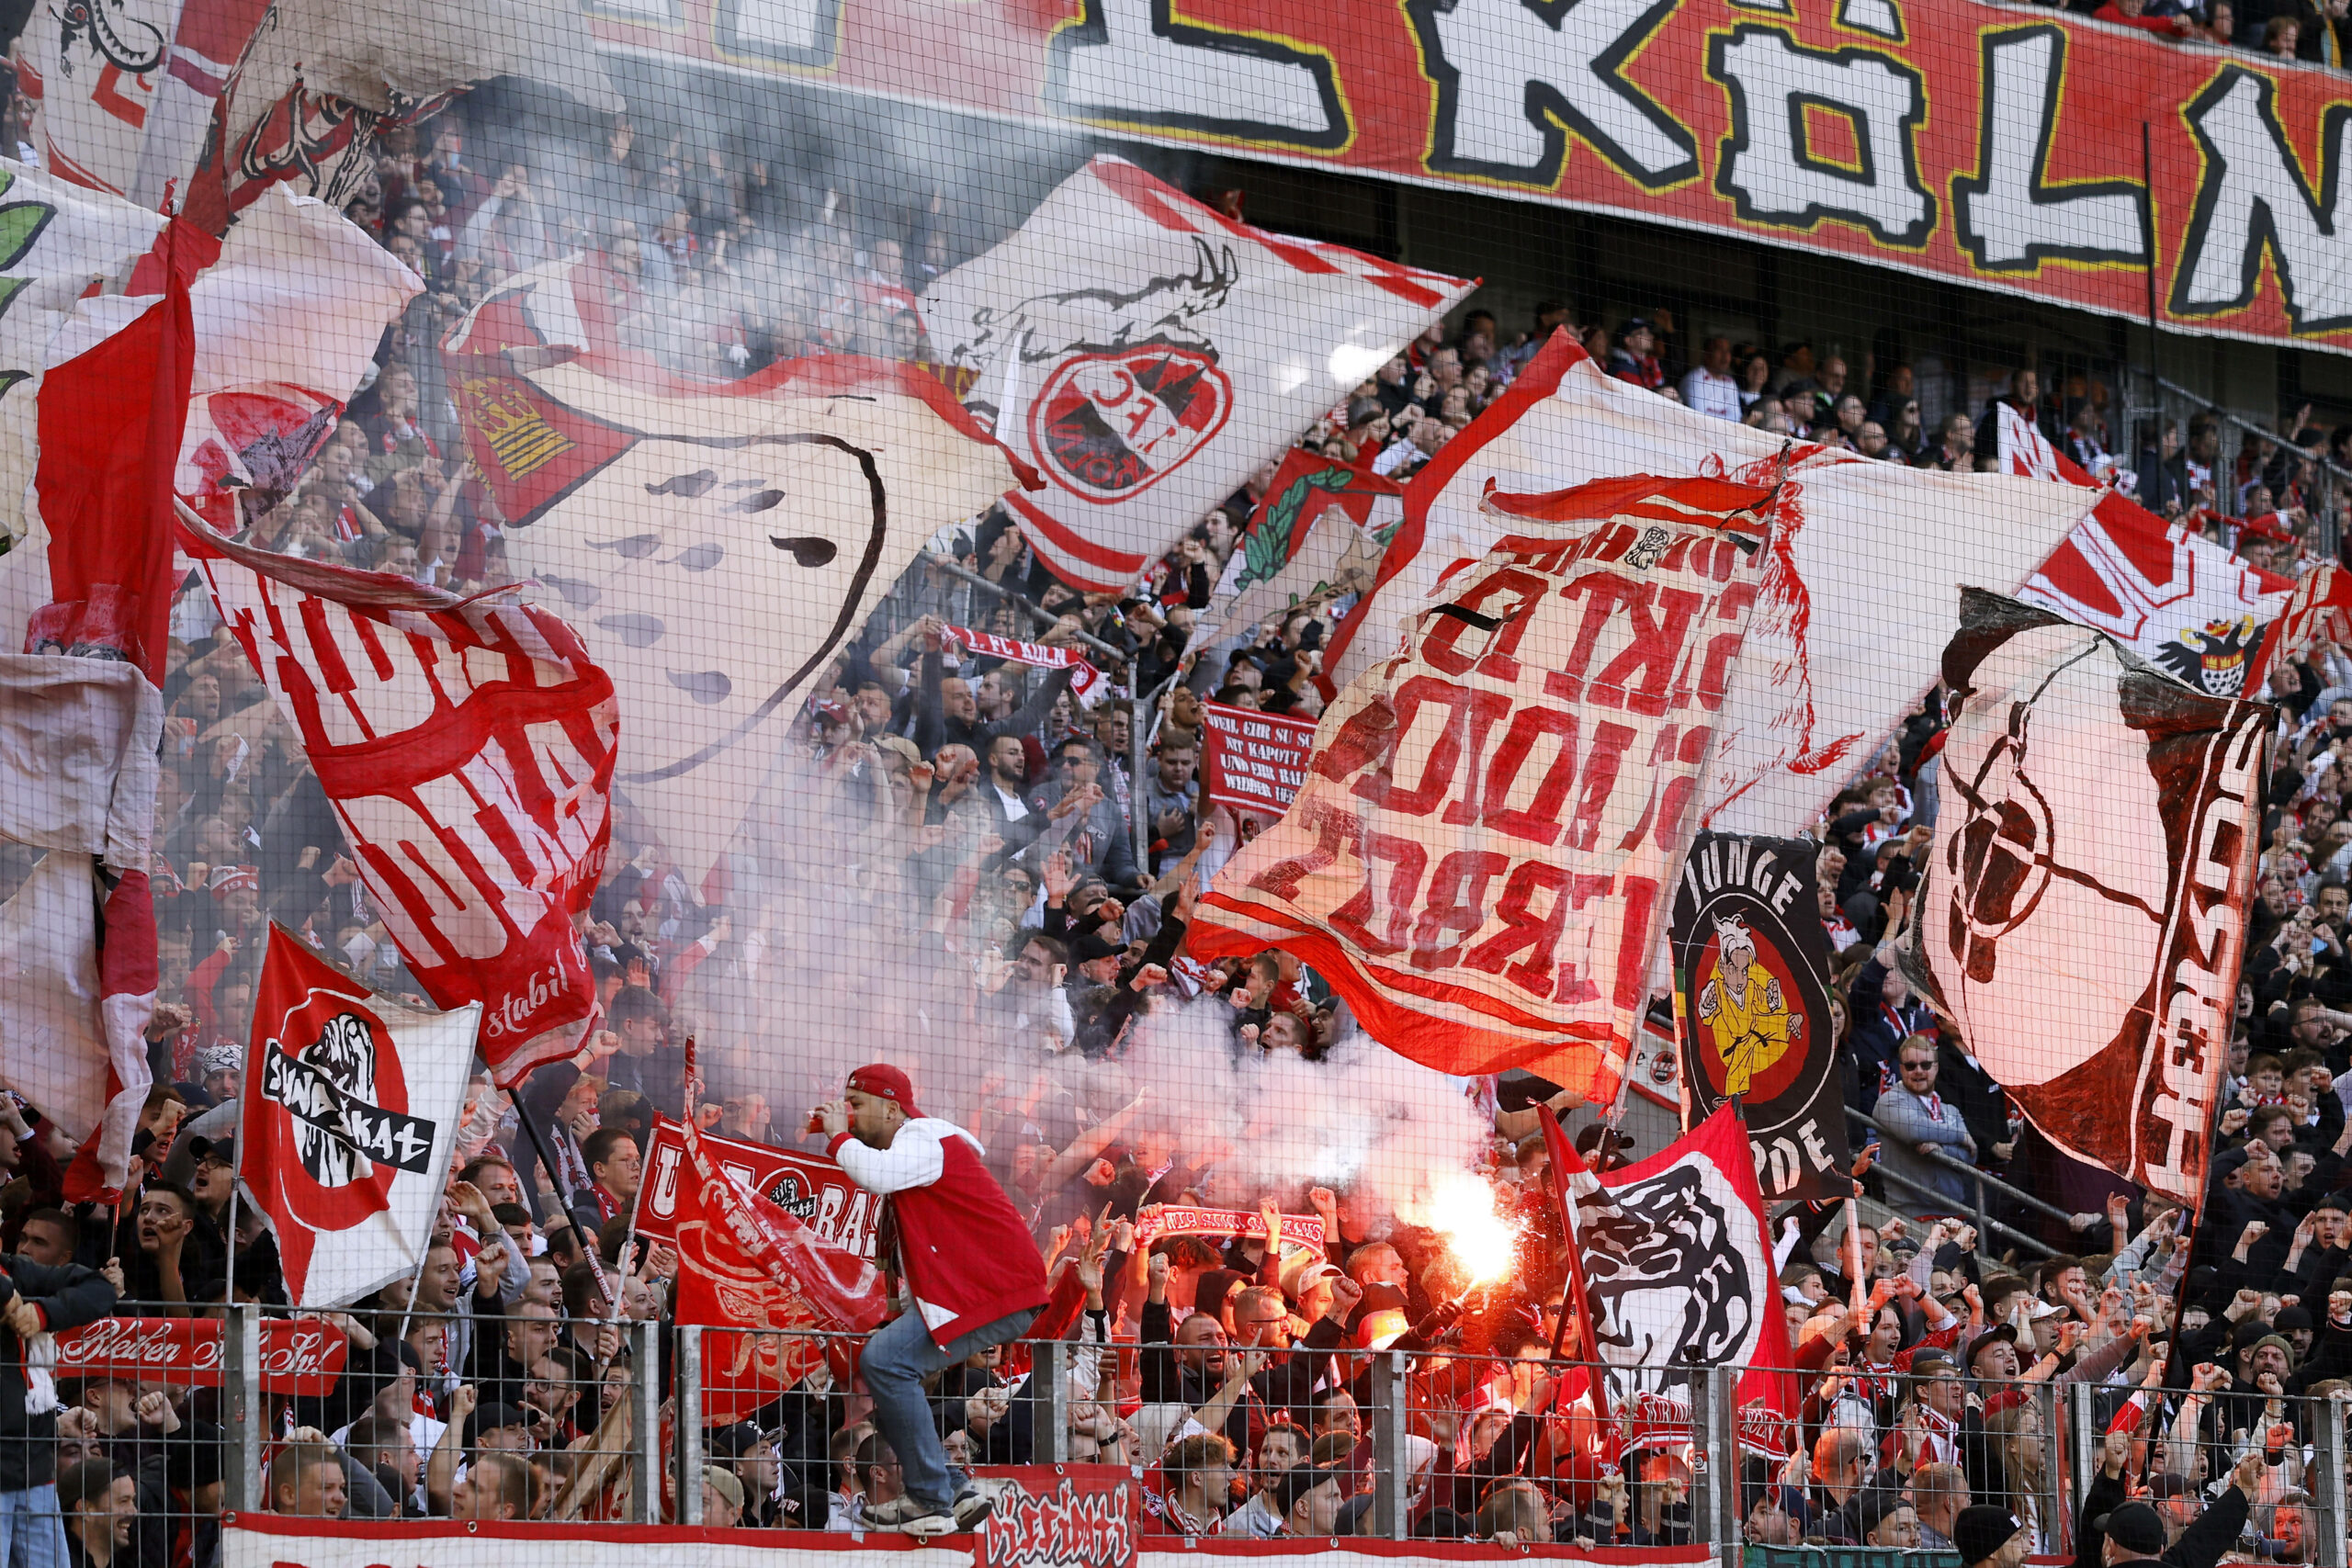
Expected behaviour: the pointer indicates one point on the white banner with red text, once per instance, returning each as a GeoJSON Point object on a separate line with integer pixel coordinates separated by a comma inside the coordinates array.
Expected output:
{"type": "Point", "coordinates": [1862, 555]}
{"type": "Point", "coordinates": [1479, 858]}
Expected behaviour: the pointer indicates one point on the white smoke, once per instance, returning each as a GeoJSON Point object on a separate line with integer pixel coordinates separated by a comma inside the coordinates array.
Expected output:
{"type": "Point", "coordinates": [825, 967]}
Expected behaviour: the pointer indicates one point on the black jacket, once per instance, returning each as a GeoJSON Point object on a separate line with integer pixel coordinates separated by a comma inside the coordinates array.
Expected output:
{"type": "Point", "coordinates": [68, 1297]}
{"type": "Point", "coordinates": [2201, 1545]}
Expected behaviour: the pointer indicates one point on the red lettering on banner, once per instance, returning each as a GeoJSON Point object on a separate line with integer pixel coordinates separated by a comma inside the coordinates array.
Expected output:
{"type": "Point", "coordinates": [1714, 676]}
{"type": "Point", "coordinates": [1540, 822]}
{"type": "Point", "coordinates": [1601, 766]}
{"type": "Point", "coordinates": [1655, 650]}
{"type": "Point", "coordinates": [1332, 828]}
{"type": "Point", "coordinates": [1457, 902]}
{"type": "Point", "coordinates": [1601, 592]}
{"type": "Point", "coordinates": [1379, 788]}
{"type": "Point", "coordinates": [1486, 710]}
{"type": "Point", "coordinates": [1475, 855]}
{"type": "Point", "coordinates": [1085, 1519]}
{"type": "Point", "coordinates": [1405, 858]}
{"type": "Point", "coordinates": [1442, 648]}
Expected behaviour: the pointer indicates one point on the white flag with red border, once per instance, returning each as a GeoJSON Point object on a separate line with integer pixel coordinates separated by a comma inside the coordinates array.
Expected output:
{"type": "Point", "coordinates": [1145, 353]}
{"type": "Point", "coordinates": [1863, 554]}
{"type": "Point", "coordinates": [350, 1112]}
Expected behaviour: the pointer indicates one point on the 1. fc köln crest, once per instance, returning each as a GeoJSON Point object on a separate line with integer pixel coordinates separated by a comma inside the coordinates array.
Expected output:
{"type": "Point", "coordinates": [1145, 353]}
{"type": "Point", "coordinates": [351, 1106]}
{"type": "Point", "coordinates": [1112, 424]}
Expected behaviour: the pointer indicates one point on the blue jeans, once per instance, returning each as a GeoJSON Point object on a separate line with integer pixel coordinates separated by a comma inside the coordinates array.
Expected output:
{"type": "Point", "coordinates": [32, 1533]}
{"type": "Point", "coordinates": [900, 1356]}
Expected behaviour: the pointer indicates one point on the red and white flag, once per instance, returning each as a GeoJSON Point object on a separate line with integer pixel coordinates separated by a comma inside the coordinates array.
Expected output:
{"type": "Point", "coordinates": [1677, 1271]}
{"type": "Point", "coordinates": [316, 78]}
{"type": "Point", "coordinates": [723, 542]}
{"type": "Point", "coordinates": [78, 740]}
{"type": "Point", "coordinates": [2163, 590]}
{"type": "Point", "coordinates": [351, 1109]}
{"type": "Point", "coordinates": [1862, 554]}
{"type": "Point", "coordinates": [1317, 532]}
{"type": "Point", "coordinates": [2319, 610]}
{"type": "Point", "coordinates": [287, 319]}
{"type": "Point", "coordinates": [1145, 353]}
{"type": "Point", "coordinates": [467, 748]}
{"type": "Point", "coordinates": [748, 1266]}
{"type": "Point", "coordinates": [1481, 855]}
{"type": "Point", "coordinates": [107, 422]}
{"type": "Point", "coordinates": [2083, 923]}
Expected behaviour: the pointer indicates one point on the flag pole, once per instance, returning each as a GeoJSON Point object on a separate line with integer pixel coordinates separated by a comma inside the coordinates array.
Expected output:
{"type": "Point", "coordinates": [1573, 1299]}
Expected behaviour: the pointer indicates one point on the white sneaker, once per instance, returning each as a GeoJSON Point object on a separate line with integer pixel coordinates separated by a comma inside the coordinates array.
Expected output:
{"type": "Point", "coordinates": [978, 1500]}
{"type": "Point", "coordinates": [923, 1525]}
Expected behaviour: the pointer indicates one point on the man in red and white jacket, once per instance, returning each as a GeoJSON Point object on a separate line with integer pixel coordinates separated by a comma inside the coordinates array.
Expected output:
{"type": "Point", "coordinates": [968, 1272]}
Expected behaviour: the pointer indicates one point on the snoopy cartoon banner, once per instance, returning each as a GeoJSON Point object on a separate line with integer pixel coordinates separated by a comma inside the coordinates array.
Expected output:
{"type": "Point", "coordinates": [1145, 353]}
{"type": "Point", "coordinates": [1749, 952]}
{"type": "Point", "coordinates": [351, 1109]}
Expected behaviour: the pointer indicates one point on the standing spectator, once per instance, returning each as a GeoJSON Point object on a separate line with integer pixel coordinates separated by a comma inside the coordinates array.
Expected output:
{"type": "Point", "coordinates": [1635, 358]}
{"type": "Point", "coordinates": [973, 1277]}
{"type": "Point", "coordinates": [1918, 1123]}
{"type": "Point", "coordinates": [42, 1298]}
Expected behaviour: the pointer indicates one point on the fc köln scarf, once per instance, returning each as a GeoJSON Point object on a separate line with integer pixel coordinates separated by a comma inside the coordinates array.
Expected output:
{"type": "Point", "coordinates": [1144, 352]}
{"type": "Point", "coordinates": [1832, 666]}
{"type": "Point", "coordinates": [468, 749]}
{"type": "Point", "coordinates": [1677, 1271]}
{"type": "Point", "coordinates": [350, 1110]}
{"type": "Point", "coordinates": [1479, 856]}
{"type": "Point", "coordinates": [746, 1264]}
{"type": "Point", "coordinates": [2172, 597]}
{"type": "Point", "coordinates": [2083, 919]}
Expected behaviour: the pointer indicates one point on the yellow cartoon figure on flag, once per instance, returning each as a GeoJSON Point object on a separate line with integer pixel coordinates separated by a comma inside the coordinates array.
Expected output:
{"type": "Point", "coordinates": [1743, 1005]}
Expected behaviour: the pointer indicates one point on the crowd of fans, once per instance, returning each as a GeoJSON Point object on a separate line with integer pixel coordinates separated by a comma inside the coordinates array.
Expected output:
{"type": "Point", "coordinates": [1038, 861]}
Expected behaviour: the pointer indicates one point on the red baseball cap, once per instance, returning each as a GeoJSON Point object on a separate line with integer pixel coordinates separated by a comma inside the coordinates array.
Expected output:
{"type": "Point", "coordinates": [886, 1082]}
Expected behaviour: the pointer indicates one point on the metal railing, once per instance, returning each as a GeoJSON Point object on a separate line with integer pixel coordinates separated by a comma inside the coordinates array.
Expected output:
{"type": "Point", "coordinates": [1986, 1224]}
{"type": "Point", "coordinates": [1433, 1442]}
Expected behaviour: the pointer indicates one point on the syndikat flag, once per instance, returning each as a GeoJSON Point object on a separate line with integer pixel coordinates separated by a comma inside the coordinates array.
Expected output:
{"type": "Point", "coordinates": [351, 1109]}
